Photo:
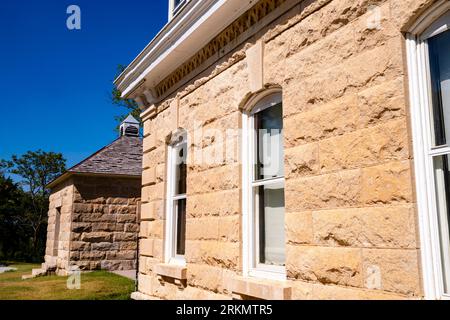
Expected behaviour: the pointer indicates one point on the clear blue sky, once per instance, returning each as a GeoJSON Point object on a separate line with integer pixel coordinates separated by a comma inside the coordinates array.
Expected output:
{"type": "Point", "coordinates": [55, 83]}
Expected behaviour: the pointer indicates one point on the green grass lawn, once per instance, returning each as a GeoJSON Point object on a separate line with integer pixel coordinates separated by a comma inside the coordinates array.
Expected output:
{"type": "Point", "coordinates": [97, 285]}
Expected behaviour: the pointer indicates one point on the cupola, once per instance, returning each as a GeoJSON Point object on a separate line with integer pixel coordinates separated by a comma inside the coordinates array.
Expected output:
{"type": "Point", "coordinates": [129, 127]}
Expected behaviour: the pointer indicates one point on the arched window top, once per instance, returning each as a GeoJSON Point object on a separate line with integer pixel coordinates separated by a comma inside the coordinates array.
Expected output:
{"type": "Point", "coordinates": [177, 136]}
{"type": "Point", "coordinates": [434, 21]}
{"type": "Point", "coordinates": [266, 102]}
{"type": "Point", "coordinates": [262, 100]}
{"type": "Point", "coordinates": [442, 24]}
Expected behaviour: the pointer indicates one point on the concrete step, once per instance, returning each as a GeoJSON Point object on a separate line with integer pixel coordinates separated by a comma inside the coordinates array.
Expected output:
{"type": "Point", "coordinates": [35, 273]}
{"type": "Point", "coordinates": [38, 272]}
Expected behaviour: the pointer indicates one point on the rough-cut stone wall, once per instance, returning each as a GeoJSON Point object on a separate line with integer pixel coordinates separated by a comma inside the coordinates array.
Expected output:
{"type": "Point", "coordinates": [350, 207]}
{"type": "Point", "coordinates": [104, 223]}
{"type": "Point", "coordinates": [61, 200]}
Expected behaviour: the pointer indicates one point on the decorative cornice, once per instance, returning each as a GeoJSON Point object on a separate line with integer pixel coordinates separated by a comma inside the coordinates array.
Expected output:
{"type": "Point", "coordinates": [258, 16]}
{"type": "Point", "coordinates": [232, 32]}
{"type": "Point", "coordinates": [197, 22]}
{"type": "Point", "coordinates": [237, 30]}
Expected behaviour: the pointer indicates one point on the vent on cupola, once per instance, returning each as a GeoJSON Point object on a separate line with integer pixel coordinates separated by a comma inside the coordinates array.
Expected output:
{"type": "Point", "coordinates": [129, 127]}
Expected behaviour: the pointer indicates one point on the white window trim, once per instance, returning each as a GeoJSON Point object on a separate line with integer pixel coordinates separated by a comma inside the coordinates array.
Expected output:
{"type": "Point", "coordinates": [250, 267]}
{"type": "Point", "coordinates": [420, 102]}
{"type": "Point", "coordinates": [170, 255]}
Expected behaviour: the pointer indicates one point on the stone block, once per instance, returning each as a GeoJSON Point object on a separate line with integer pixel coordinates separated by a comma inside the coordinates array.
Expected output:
{"type": "Point", "coordinates": [261, 289]}
{"type": "Point", "coordinates": [146, 264]}
{"type": "Point", "coordinates": [146, 247]}
{"type": "Point", "coordinates": [302, 161]}
{"type": "Point", "coordinates": [150, 142]}
{"type": "Point", "coordinates": [147, 128]}
{"type": "Point", "coordinates": [383, 143]}
{"type": "Point", "coordinates": [206, 277]}
{"type": "Point", "coordinates": [155, 229]}
{"type": "Point", "coordinates": [128, 245]}
{"type": "Point", "coordinates": [222, 203]}
{"type": "Point", "coordinates": [392, 270]}
{"type": "Point", "coordinates": [92, 255]}
{"type": "Point", "coordinates": [81, 227]}
{"type": "Point", "coordinates": [254, 59]}
{"type": "Point", "coordinates": [122, 210]}
{"type": "Point", "coordinates": [387, 183]}
{"type": "Point", "coordinates": [382, 103]}
{"type": "Point", "coordinates": [117, 200]}
{"type": "Point", "coordinates": [126, 218]}
{"type": "Point", "coordinates": [342, 189]}
{"type": "Point", "coordinates": [299, 227]}
{"type": "Point", "coordinates": [324, 292]}
{"type": "Point", "coordinates": [149, 176]}
{"type": "Point", "coordinates": [153, 158]}
{"type": "Point", "coordinates": [145, 284]}
{"type": "Point", "coordinates": [214, 253]}
{"type": "Point", "coordinates": [202, 228]}
{"type": "Point", "coordinates": [301, 290]}
{"type": "Point", "coordinates": [381, 227]}
{"type": "Point", "coordinates": [121, 255]}
{"type": "Point", "coordinates": [148, 211]}
{"type": "Point", "coordinates": [97, 237]}
{"type": "Point", "coordinates": [105, 246]}
{"type": "Point", "coordinates": [171, 271]}
{"type": "Point", "coordinates": [104, 226]}
{"type": "Point", "coordinates": [341, 266]}
{"type": "Point", "coordinates": [131, 227]}
{"type": "Point", "coordinates": [153, 192]}
{"type": "Point", "coordinates": [125, 236]}
{"type": "Point", "coordinates": [324, 121]}
{"type": "Point", "coordinates": [230, 228]}
{"type": "Point", "coordinates": [217, 179]}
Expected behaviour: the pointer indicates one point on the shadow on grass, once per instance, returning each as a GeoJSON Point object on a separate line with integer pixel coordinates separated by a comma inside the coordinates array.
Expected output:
{"type": "Point", "coordinates": [97, 285]}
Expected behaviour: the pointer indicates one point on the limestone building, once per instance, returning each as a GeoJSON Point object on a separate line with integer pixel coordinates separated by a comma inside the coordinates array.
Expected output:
{"type": "Point", "coordinates": [93, 207]}
{"type": "Point", "coordinates": [295, 150]}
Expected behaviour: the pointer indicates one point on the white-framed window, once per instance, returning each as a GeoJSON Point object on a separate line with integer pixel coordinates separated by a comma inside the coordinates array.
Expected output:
{"type": "Point", "coordinates": [175, 240]}
{"type": "Point", "coordinates": [175, 6]}
{"type": "Point", "coordinates": [428, 48]}
{"type": "Point", "coordinates": [263, 188]}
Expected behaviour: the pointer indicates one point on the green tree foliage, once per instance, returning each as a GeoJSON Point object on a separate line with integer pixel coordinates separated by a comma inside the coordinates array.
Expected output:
{"type": "Point", "coordinates": [128, 106]}
{"type": "Point", "coordinates": [34, 169]}
{"type": "Point", "coordinates": [12, 230]}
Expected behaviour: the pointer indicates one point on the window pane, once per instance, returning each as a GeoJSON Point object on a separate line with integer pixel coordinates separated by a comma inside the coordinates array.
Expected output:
{"type": "Point", "coordinates": [439, 49]}
{"type": "Point", "coordinates": [269, 132]}
{"type": "Point", "coordinates": [180, 169]}
{"type": "Point", "coordinates": [269, 204]}
{"type": "Point", "coordinates": [442, 181]}
{"type": "Point", "coordinates": [180, 209]}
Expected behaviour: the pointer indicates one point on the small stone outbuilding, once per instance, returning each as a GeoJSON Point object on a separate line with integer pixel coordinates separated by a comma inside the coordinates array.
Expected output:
{"type": "Point", "coordinates": [93, 208]}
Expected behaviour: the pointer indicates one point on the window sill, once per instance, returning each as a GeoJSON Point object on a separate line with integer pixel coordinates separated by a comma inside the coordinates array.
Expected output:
{"type": "Point", "coordinates": [264, 273]}
{"type": "Point", "coordinates": [261, 289]}
{"type": "Point", "coordinates": [171, 271]}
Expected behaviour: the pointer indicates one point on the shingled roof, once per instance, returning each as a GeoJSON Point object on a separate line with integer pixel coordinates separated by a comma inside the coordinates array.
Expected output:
{"type": "Point", "coordinates": [122, 157]}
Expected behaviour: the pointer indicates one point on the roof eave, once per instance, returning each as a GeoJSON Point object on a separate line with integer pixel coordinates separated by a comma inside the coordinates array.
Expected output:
{"type": "Point", "coordinates": [179, 40]}
{"type": "Point", "coordinates": [69, 174]}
